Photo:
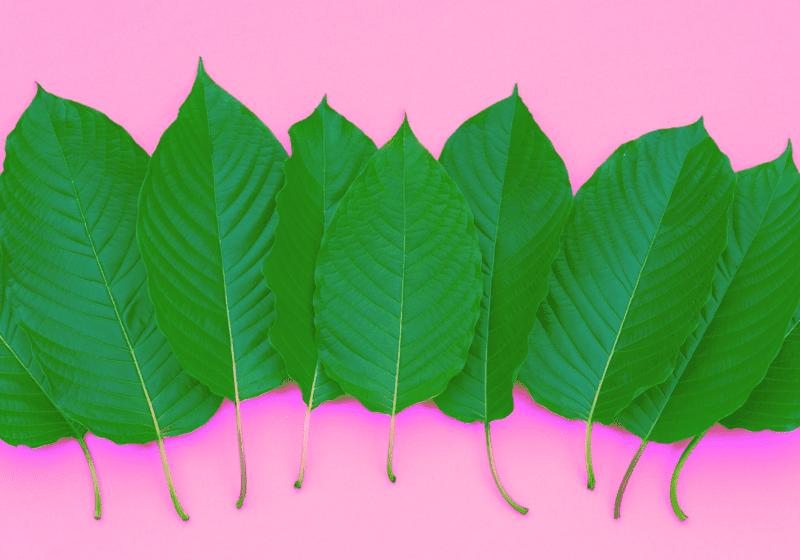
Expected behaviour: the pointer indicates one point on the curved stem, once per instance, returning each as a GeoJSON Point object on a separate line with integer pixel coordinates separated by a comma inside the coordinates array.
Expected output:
{"type": "Point", "coordinates": [243, 490]}
{"type": "Point", "coordinates": [174, 496]}
{"type": "Point", "coordinates": [512, 503]}
{"type": "Point", "coordinates": [392, 477]}
{"type": "Point", "coordinates": [673, 487]}
{"type": "Point", "coordinates": [627, 477]}
{"type": "Point", "coordinates": [97, 506]}
{"type": "Point", "coordinates": [299, 482]}
{"type": "Point", "coordinates": [589, 469]}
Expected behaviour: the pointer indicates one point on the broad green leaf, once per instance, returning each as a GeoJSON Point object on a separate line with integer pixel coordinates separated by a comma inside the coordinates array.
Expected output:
{"type": "Point", "coordinates": [206, 222]}
{"type": "Point", "coordinates": [518, 190]}
{"type": "Point", "coordinates": [637, 260]}
{"type": "Point", "coordinates": [72, 180]}
{"type": "Point", "coordinates": [755, 292]}
{"type": "Point", "coordinates": [328, 152]}
{"type": "Point", "coordinates": [398, 282]}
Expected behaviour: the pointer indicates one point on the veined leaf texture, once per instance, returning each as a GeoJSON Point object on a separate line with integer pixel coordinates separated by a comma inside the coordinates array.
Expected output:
{"type": "Point", "coordinates": [136, 292]}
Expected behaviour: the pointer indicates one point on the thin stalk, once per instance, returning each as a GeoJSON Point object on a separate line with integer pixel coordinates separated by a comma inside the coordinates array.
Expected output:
{"type": "Point", "coordinates": [673, 487]}
{"type": "Point", "coordinates": [627, 477]}
{"type": "Point", "coordinates": [299, 482]}
{"type": "Point", "coordinates": [172, 493]}
{"type": "Point", "coordinates": [392, 477]}
{"type": "Point", "coordinates": [589, 469]}
{"type": "Point", "coordinates": [243, 490]}
{"type": "Point", "coordinates": [97, 506]}
{"type": "Point", "coordinates": [512, 503]}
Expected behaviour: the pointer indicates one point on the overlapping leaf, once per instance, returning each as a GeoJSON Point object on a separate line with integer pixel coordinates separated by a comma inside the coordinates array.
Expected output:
{"type": "Point", "coordinates": [206, 222]}
{"type": "Point", "coordinates": [398, 281]}
{"type": "Point", "coordinates": [639, 251]}
{"type": "Point", "coordinates": [328, 152]}
{"type": "Point", "coordinates": [756, 288]}
{"type": "Point", "coordinates": [72, 179]}
{"type": "Point", "coordinates": [518, 190]}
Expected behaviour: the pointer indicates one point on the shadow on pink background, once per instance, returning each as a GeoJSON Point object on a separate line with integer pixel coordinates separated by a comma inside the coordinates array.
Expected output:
{"type": "Point", "coordinates": [593, 76]}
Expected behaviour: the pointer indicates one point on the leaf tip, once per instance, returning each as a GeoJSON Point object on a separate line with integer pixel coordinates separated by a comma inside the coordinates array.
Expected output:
{"type": "Point", "coordinates": [516, 90]}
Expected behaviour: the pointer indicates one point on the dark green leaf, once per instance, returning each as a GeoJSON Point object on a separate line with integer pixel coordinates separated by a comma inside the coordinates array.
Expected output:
{"type": "Point", "coordinates": [72, 179]}
{"type": "Point", "coordinates": [637, 261]}
{"type": "Point", "coordinates": [398, 281]}
{"type": "Point", "coordinates": [518, 190]}
{"type": "Point", "coordinates": [328, 152]}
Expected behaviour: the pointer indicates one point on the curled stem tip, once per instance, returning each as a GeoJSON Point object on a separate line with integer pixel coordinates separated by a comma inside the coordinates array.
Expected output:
{"type": "Point", "coordinates": [299, 481]}
{"type": "Point", "coordinates": [627, 477]}
{"type": "Point", "coordinates": [389, 472]}
{"type": "Point", "coordinates": [97, 505]}
{"type": "Point", "coordinates": [589, 469]}
{"type": "Point", "coordinates": [167, 474]}
{"type": "Point", "coordinates": [673, 487]}
{"type": "Point", "coordinates": [521, 509]}
{"type": "Point", "coordinates": [243, 469]}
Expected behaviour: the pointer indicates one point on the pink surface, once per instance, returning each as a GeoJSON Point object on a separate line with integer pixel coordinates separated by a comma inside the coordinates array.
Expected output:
{"type": "Point", "coordinates": [594, 76]}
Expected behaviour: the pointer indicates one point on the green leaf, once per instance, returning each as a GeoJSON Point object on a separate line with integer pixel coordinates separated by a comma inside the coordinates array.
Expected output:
{"type": "Point", "coordinates": [637, 260]}
{"type": "Point", "coordinates": [72, 179]}
{"type": "Point", "coordinates": [518, 190]}
{"type": "Point", "coordinates": [328, 152]}
{"type": "Point", "coordinates": [398, 282]}
{"type": "Point", "coordinates": [755, 292]}
{"type": "Point", "coordinates": [206, 222]}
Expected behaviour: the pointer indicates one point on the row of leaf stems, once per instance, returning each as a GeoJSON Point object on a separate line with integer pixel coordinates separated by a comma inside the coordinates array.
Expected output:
{"type": "Point", "coordinates": [141, 291]}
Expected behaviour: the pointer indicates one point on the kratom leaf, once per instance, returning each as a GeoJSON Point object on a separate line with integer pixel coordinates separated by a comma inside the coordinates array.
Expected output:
{"type": "Point", "coordinates": [328, 152]}
{"type": "Point", "coordinates": [206, 222]}
{"type": "Point", "coordinates": [72, 179]}
{"type": "Point", "coordinates": [637, 260]}
{"type": "Point", "coordinates": [755, 292]}
{"type": "Point", "coordinates": [518, 190]}
{"type": "Point", "coordinates": [398, 282]}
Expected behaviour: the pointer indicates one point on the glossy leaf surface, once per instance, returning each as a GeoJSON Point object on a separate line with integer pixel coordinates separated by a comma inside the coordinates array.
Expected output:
{"type": "Point", "coordinates": [518, 190]}
{"type": "Point", "coordinates": [328, 152]}
{"type": "Point", "coordinates": [398, 281]}
{"type": "Point", "coordinates": [637, 260]}
{"type": "Point", "coordinates": [755, 292]}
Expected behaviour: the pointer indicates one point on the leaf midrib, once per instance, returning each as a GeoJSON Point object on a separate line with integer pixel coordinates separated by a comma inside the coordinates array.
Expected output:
{"type": "Point", "coordinates": [402, 288]}
{"type": "Point", "coordinates": [636, 286]}
{"type": "Point", "coordinates": [105, 279]}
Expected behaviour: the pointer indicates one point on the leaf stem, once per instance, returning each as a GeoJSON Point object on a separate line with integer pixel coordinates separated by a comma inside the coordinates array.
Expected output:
{"type": "Point", "coordinates": [627, 477]}
{"type": "Point", "coordinates": [299, 482]}
{"type": "Point", "coordinates": [392, 477]}
{"type": "Point", "coordinates": [512, 503]}
{"type": "Point", "coordinates": [95, 483]}
{"type": "Point", "coordinates": [243, 489]}
{"type": "Point", "coordinates": [673, 487]}
{"type": "Point", "coordinates": [589, 469]}
{"type": "Point", "coordinates": [172, 493]}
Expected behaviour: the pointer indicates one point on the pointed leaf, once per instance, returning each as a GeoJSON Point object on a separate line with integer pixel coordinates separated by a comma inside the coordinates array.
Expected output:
{"type": "Point", "coordinates": [328, 152]}
{"type": "Point", "coordinates": [637, 260]}
{"type": "Point", "coordinates": [755, 292]}
{"type": "Point", "coordinates": [398, 281]}
{"type": "Point", "coordinates": [518, 190]}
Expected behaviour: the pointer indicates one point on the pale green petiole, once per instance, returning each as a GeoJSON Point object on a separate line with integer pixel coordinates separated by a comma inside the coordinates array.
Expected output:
{"type": "Point", "coordinates": [673, 487]}
{"type": "Point", "coordinates": [512, 503]}
{"type": "Point", "coordinates": [627, 477]}
{"type": "Point", "coordinates": [95, 483]}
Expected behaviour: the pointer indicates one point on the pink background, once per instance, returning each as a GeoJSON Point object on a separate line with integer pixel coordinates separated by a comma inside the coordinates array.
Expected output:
{"type": "Point", "coordinates": [593, 76]}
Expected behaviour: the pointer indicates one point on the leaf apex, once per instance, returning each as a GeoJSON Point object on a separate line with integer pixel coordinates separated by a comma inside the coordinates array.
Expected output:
{"type": "Point", "coordinates": [516, 90]}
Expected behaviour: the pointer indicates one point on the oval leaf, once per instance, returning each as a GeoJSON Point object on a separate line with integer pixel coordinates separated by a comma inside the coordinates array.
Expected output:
{"type": "Point", "coordinates": [72, 181]}
{"type": "Point", "coordinates": [398, 281]}
{"type": "Point", "coordinates": [206, 222]}
{"type": "Point", "coordinates": [638, 256]}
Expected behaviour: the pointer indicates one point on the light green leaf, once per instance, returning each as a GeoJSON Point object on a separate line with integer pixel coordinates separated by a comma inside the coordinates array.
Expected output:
{"type": "Point", "coordinates": [518, 190]}
{"type": "Point", "coordinates": [398, 282]}
{"type": "Point", "coordinates": [72, 179]}
{"type": "Point", "coordinates": [206, 222]}
{"type": "Point", "coordinates": [328, 152]}
{"type": "Point", "coordinates": [637, 260]}
{"type": "Point", "coordinates": [755, 291]}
